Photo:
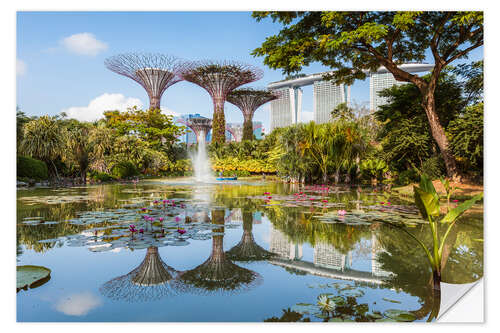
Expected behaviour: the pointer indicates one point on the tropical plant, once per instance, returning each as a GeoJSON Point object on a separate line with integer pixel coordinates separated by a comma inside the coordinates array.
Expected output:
{"type": "Point", "coordinates": [44, 139]}
{"type": "Point", "coordinates": [374, 168]}
{"type": "Point", "coordinates": [427, 201]}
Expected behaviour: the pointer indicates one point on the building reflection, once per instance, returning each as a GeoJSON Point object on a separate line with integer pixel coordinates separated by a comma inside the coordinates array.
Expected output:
{"type": "Point", "coordinates": [327, 260]}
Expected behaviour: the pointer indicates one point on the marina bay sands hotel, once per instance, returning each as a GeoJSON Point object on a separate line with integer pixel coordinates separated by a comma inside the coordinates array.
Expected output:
{"type": "Point", "coordinates": [286, 110]}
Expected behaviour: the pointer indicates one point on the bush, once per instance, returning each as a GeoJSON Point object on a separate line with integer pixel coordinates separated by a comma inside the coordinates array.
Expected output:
{"type": "Point", "coordinates": [124, 169]}
{"type": "Point", "coordinates": [433, 167]}
{"type": "Point", "coordinates": [101, 176]}
{"type": "Point", "coordinates": [407, 177]}
{"type": "Point", "coordinates": [237, 173]}
{"type": "Point", "coordinates": [31, 168]}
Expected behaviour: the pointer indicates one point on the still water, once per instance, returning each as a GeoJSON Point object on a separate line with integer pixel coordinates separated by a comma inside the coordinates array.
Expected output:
{"type": "Point", "coordinates": [239, 251]}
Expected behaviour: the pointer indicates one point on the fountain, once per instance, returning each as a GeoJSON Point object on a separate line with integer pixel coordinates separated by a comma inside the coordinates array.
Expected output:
{"type": "Point", "coordinates": [200, 160]}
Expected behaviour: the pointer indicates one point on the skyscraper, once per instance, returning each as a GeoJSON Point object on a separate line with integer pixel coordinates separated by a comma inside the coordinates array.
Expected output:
{"type": "Point", "coordinates": [286, 110]}
{"type": "Point", "coordinates": [379, 82]}
{"type": "Point", "coordinates": [326, 98]}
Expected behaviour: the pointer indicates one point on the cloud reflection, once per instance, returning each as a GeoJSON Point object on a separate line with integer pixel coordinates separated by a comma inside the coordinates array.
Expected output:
{"type": "Point", "coordinates": [78, 304]}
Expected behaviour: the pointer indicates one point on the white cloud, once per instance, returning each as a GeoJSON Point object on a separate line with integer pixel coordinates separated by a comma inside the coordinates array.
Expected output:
{"type": "Point", "coordinates": [168, 112]}
{"type": "Point", "coordinates": [306, 116]}
{"type": "Point", "coordinates": [21, 67]}
{"type": "Point", "coordinates": [78, 304]}
{"type": "Point", "coordinates": [104, 102]}
{"type": "Point", "coordinates": [84, 43]}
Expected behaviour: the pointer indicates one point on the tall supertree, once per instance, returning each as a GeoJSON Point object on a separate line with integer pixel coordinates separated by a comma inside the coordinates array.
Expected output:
{"type": "Point", "coordinates": [248, 100]}
{"type": "Point", "coordinates": [217, 274]}
{"type": "Point", "coordinates": [247, 249]}
{"type": "Point", "coordinates": [151, 280]}
{"type": "Point", "coordinates": [155, 72]}
{"type": "Point", "coordinates": [219, 79]}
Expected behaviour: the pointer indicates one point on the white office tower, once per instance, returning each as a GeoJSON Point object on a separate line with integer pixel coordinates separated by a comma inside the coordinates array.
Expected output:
{"type": "Point", "coordinates": [379, 82]}
{"type": "Point", "coordinates": [325, 255]}
{"type": "Point", "coordinates": [326, 98]}
{"type": "Point", "coordinates": [286, 110]}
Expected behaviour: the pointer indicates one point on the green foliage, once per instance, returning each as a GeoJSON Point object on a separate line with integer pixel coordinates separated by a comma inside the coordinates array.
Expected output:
{"type": "Point", "coordinates": [219, 126]}
{"type": "Point", "coordinates": [124, 169]}
{"type": "Point", "coordinates": [31, 168]}
{"type": "Point", "coordinates": [101, 176]}
{"type": "Point", "coordinates": [407, 177]}
{"type": "Point", "coordinates": [433, 167]}
{"type": "Point", "coordinates": [467, 137]}
{"type": "Point", "coordinates": [373, 168]}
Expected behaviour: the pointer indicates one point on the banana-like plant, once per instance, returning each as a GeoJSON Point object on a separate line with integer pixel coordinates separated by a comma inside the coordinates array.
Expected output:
{"type": "Point", "coordinates": [427, 201]}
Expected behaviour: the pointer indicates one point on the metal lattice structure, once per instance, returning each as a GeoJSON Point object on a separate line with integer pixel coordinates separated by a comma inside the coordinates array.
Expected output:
{"type": "Point", "coordinates": [151, 280]}
{"type": "Point", "coordinates": [200, 126]}
{"type": "Point", "coordinates": [248, 100]}
{"type": "Point", "coordinates": [155, 72]}
{"type": "Point", "coordinates": [219, 78]}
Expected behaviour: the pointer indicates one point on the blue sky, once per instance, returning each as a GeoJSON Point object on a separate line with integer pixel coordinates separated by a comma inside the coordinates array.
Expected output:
{"type": "Point", "coordinates": [60, 58]}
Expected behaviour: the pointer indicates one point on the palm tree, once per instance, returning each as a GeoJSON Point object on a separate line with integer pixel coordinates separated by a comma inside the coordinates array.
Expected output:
{"type": "Point", "coordinates": [44, 139]}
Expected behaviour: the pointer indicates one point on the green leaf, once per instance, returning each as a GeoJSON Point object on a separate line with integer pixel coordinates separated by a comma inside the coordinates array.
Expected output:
{"type": "Point", "coordinates": [460, 209]}
{"type": "Point", "coordinates": [28, 275]}
{"type": "Point", "coordinates": [427, 186]}
{"type": "Point", "coordinates": [427, 203]}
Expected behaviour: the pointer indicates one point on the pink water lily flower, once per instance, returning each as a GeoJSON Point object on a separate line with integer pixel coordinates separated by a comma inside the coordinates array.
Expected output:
{"type": "Point", "coordinates": [267, 193]}
{"type": "Point", "coordinates": [132, 228]}
{"type": "Point", "coordinates": [181, 231]}
{"type": "Point", "coordinates": [382, 202]}
{"type": "Point", "coordinates": [269, 198]}
{"type": "Point", "coordinates": [160, 219]}
{"type": "Point", "coordinates": [455, 200]}
{"type": "Point", "coordinates": [388, 203]}
{"type": "Point", "coordinates": [155, 202]}
{"type": "Point", "coordinates": [325, 201]}
{"type": "Point", "coordinates": [341, 212]}
{"type": "Point", "coordinates": [177, 219]}
{"type": "Point", "coordinates": [141, 231]}
{"type": "Point", "coordinates": [143, 209]}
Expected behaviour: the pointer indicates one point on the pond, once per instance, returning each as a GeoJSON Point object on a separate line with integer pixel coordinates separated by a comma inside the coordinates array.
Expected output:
{"type": "Point", "coordinates": [174, 251]}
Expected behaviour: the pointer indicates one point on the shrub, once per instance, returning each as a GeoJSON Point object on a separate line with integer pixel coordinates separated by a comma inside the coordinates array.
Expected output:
{"type": "Point", "coordinates": [407, 177]}
{"type": "Point", "coordinates": [31, 168]}
{"type": "Point", "coordinates": [124, 169]}
{"type": "Point", "coordinates": [101, 176]}
{"type": "Point", "coordinates": [433, 167]}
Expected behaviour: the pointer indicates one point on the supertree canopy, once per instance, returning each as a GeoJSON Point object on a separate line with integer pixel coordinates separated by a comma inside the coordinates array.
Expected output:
{"type": "Point", "coordinates": [248, 100]}
{"type": "Point", "coordinates": [217, 274]}
{"type": "Point", "coordinates": [199, 125]}
{"type": "Point", "coordinates": [151, 280]}
{"type": "Point", "coordinates": [219, 79]}
{"type": "Point", "coordinates": [247, 249]}
{"type": "Point", "coordinates": [153, 71]}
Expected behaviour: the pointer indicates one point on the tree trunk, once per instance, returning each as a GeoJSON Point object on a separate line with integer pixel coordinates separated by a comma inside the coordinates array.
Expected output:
{"type": "Point", "coordinates": [439, 135]}
{"type": "Point", "coordinates": [436, 281]}
{"type": "Point", "coordinates": [325, 177]}
{"type": "Point", "coordinates": [219, 123]}
{"type": "Point", "coordinates": [337, 176]}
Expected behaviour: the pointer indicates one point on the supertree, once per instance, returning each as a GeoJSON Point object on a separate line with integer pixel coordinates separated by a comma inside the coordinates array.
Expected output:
{"type": "Point", "coordinates": [151, 280]}
{"type": "Point", "coordinates": [248, 100]}
{"type": "Point", "coordinates": [247, 249]}
{"type": "Point", "coordinates": [217, 274]}
{"type": "Point", "coordinates": [219, 79]}
{"type": "Point", "coordinates": [200, 126]}
{"type": "Point", "coordinates": [155, 72]}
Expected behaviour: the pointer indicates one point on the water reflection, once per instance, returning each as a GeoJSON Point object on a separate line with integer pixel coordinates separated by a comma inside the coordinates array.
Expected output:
{"type": "Point", "coordinates": [151, 280]}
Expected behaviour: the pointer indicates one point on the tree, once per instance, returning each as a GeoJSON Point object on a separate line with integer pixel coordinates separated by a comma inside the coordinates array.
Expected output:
{"type": "Point", "coordinates": [44, 139]}
{"type": "Point", "coordinates": [152, 126]}
{"type": "Point", "coordinates": [79, 147]}
{"type": "Point", "coordinates": [354, 43]}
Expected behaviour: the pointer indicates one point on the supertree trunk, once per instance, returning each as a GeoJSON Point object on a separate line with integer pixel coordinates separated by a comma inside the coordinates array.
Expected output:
{"type": "Point", "coordinates": [248, 127]}
{"type": "Point", "coordinates": [154, 103]}
{"type": "Point", "coordinates": [219, 122]}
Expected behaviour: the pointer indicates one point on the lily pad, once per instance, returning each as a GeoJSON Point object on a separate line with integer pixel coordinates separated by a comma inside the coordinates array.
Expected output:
{"type": "Point", "coordinates": [28, 276]}
{"type": "Point", "coordinates": [400, 315]}
{"type": "Point", "coordinates": [391, 300]}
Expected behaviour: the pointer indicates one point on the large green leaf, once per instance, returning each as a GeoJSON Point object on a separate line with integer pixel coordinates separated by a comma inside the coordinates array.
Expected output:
{"type": "Point", "coordinates": [460, 209]}
{"type": "Point", "coordinates": [427, 186]}
{"type": "Point", "coordinates": [28, 275]}
{"type": "Point", "coordinates": [427, 203]}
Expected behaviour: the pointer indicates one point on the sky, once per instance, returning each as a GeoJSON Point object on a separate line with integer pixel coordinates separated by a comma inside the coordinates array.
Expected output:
{"type": "Point", "coordinates": [60, 60]}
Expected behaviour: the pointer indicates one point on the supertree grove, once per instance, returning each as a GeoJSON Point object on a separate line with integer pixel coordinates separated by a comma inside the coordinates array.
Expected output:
{"type": "Point", "coordinates": [219, 79]}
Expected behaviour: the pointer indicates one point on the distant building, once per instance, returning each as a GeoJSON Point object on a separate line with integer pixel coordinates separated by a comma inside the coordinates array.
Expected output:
{"type": "Point", "coordinates": [286, 110]}
{"type": "Point", "coordinates": [325, 255]}
{"type": "Point", "coordinates": [326, 98]}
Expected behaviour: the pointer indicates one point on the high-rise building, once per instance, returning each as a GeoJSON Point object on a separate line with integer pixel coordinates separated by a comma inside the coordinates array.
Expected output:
{"type": "Point", "coordinates": [326, 98]}
{"type": "Point", "coordinates": [379, 82]}
{"type": "Point", "coordinates": [325, 255]}
{"type": "Point", "coordinates": [285, 110]}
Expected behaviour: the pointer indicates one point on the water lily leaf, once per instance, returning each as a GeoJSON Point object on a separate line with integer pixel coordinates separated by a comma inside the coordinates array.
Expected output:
{"type": "Point", "coordinates": [305, 308]}
{"type": "Point", "coordinates": [374, 315]}
{"type": "Point", "coordinates": [28, 275]}
{"type": "Point", "coordinates": [391, 300]}
{"type": "Point", "coordinates": [335, 320]}
{"type": "Point", "coordinates": [400, 315]}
